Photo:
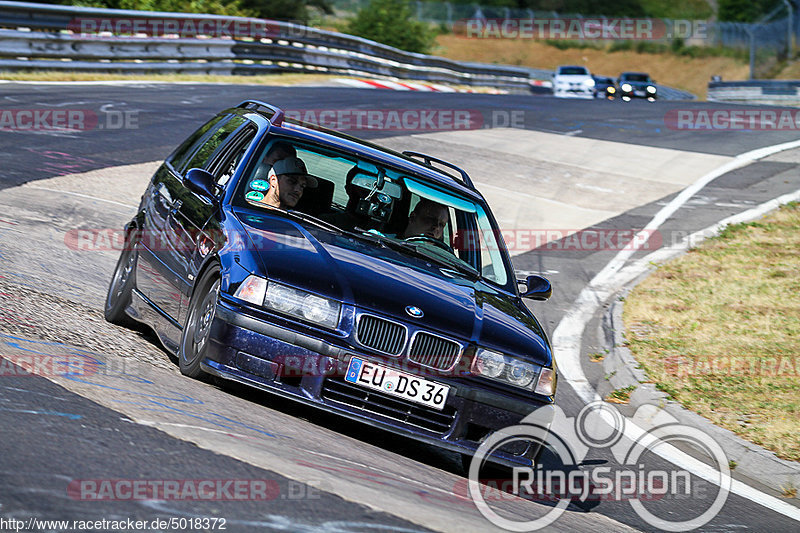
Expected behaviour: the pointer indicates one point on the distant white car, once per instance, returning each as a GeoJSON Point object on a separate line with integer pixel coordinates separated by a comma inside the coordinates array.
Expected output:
{"type": "Point", "coordinates": [573, 81]}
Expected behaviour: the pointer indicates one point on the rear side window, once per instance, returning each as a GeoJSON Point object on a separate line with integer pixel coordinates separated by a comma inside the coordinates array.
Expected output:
{"type": "Point", "coordinates": [181, 155]}
{"type": "Point", "coordinates": [203, 156]}
{"type": "Point", "coordinates": [231, 155]}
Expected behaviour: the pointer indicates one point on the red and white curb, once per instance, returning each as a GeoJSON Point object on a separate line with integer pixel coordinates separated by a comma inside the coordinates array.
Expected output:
{"type": "Point", "coordinates": [404, 86]}
{"type": "Point", "coordinates": [541, 83]}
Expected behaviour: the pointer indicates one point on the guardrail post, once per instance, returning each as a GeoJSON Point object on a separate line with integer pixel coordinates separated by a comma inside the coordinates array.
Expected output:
{"type": "Point", "coordinates": [790, 30]}
{"type": "Point", "coordinates": [752, 33]}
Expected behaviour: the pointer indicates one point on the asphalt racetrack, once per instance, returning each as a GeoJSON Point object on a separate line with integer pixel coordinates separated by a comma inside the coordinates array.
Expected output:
{"type": "Point", "coordinates": [137, 418]}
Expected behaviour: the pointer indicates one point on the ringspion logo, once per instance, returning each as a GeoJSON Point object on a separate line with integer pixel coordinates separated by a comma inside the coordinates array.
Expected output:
{"type": "Point", "coordinates": [600, 426]}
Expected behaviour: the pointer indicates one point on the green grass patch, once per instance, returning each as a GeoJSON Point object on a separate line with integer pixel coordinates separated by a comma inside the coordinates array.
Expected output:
{"type": "Point", "coordinates": [622, 395]}
{"type": "Point", "coordinates": [596, 357]}
{"type": "Point", "coordinates": [676, 47]}
{"type": "Point", "coordinates": [719, 330]}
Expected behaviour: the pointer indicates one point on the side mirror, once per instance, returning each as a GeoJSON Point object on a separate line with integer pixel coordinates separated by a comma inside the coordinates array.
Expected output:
{"type": "Point", "coordinates": [202, 183]}
{"type": "Point", "coordinates": [536, 288]}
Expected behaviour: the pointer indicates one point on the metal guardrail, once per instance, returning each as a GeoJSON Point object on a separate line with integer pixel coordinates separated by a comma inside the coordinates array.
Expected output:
{"type": "Point", "coordinates": [781, 92]}
{"type": "Point", "coordinates": [44, 36]}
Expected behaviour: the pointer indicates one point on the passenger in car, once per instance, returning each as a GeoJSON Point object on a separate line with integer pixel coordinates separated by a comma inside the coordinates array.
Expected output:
{"type": "Point", "coordinates": [287, 180]}
{"type": "Point", "coordinates": [428, 218]}
{"type": "Point", "coordinates": [279, 150]}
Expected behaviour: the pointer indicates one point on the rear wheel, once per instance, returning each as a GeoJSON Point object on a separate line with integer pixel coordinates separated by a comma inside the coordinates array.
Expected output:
{"type": "Point", "coordinates": [121, 286]}
{"type": "Point", "coordinates": [197, 331]}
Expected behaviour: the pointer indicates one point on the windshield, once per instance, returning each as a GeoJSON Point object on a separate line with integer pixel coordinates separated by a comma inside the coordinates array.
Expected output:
{"type": "Point", "coordinates": [573, 71]}
{"type": "Point", "coordinates": [643, 78]}
{"type": "Point", "coordinates": [340, 192]}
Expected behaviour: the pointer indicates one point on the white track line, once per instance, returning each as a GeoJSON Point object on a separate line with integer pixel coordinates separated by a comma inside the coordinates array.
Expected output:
{"type": "Point", "coordinates": [80, 195]}
{"type": "Point", "coordinates": [569, 332]}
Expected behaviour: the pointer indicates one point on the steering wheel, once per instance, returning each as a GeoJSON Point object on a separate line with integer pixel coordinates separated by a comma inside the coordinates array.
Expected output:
{"type": "Point", "coordinates": [425, 238]}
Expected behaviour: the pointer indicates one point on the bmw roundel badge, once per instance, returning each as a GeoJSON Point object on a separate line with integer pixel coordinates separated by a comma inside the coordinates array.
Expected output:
{"type": "Point", "coordinates": [414, 311]}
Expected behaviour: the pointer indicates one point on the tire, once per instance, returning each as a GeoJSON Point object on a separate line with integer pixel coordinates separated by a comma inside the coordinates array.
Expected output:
{"type": "Point", "coordinates": [121, 287]}
{"type": "Point", "coordinates": [197, 330]}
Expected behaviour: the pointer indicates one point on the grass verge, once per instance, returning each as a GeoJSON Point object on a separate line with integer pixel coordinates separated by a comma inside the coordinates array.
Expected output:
{"type": "Point", "coordinates": [719, 330]}
{"type": "Point", "coordinates": [680, 71]}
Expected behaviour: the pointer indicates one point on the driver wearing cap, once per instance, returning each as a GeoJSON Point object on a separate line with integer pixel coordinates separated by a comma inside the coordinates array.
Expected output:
{"type": "Point", "coordinates": [287, 180]}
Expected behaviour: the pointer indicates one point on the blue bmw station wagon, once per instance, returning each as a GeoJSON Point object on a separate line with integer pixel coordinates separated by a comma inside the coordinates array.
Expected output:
{"type": "Point", "coordinates": [371, 284]}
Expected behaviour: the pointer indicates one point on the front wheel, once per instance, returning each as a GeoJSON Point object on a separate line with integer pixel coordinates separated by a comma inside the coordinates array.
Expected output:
{"type": "Point", "coordinates": [197, 331]}
{"type": "Point", "coordinates": [121, 287]}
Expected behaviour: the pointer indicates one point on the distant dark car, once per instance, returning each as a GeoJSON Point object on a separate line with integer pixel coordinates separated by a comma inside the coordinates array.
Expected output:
{"type": "Point", "coordinates": [636, 85]}
{"type": "Point", "coordinates": [605, 87]}
{"type": "Point", "coordinates": [336, 302]}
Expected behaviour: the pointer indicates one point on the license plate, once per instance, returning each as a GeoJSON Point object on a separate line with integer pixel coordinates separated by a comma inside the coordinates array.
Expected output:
{"type": "Point", "coordinates": [398, 384]}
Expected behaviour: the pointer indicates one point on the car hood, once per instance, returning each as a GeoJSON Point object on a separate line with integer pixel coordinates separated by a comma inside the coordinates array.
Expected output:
{"type": "Point", "coordinates": [385, 281]}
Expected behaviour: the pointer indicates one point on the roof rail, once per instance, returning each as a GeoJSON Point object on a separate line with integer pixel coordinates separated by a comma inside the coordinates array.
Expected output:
{"type": "Point", "coordinates": [428, 159]}
{"type": "Point", "coordinates": [275, 113]}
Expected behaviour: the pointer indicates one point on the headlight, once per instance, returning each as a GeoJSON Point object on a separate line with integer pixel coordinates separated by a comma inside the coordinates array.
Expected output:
{"type": "Point", "coordinates": [320, 310]}
{"type": "Point", "coordinates": [303, 305]}
{"type": "Point", "coordinates": [589, 83]}
{"type": "Point", "coordinates": [289, 301]}
{"type": "Point", "coordinates": [489, 364]}
{"type": "Point", "coordinates": [520, 373]}
{"type": "Point", "coordinates": [284, 299]}
{"type": "Point", "coordinates": [513, 371]}
{"type": "Point", "coordinates": [626, 87]}
{"type": "Point", "coordinates": [651, 89]}
{"type": "Point", "coordinates": [611, 90]}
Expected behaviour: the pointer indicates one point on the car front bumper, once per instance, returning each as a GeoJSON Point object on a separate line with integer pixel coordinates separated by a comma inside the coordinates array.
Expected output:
{"type": "Point", "coordinates": [304, 367]}
{"type": "Point", "coordinates": [639, 93]}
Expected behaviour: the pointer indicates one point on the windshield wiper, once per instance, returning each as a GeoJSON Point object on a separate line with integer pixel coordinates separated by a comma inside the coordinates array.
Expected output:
{"type": "Point", "coordinates": [456, 264]}
{"type": "Point", "coordinates": [305, 217]}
